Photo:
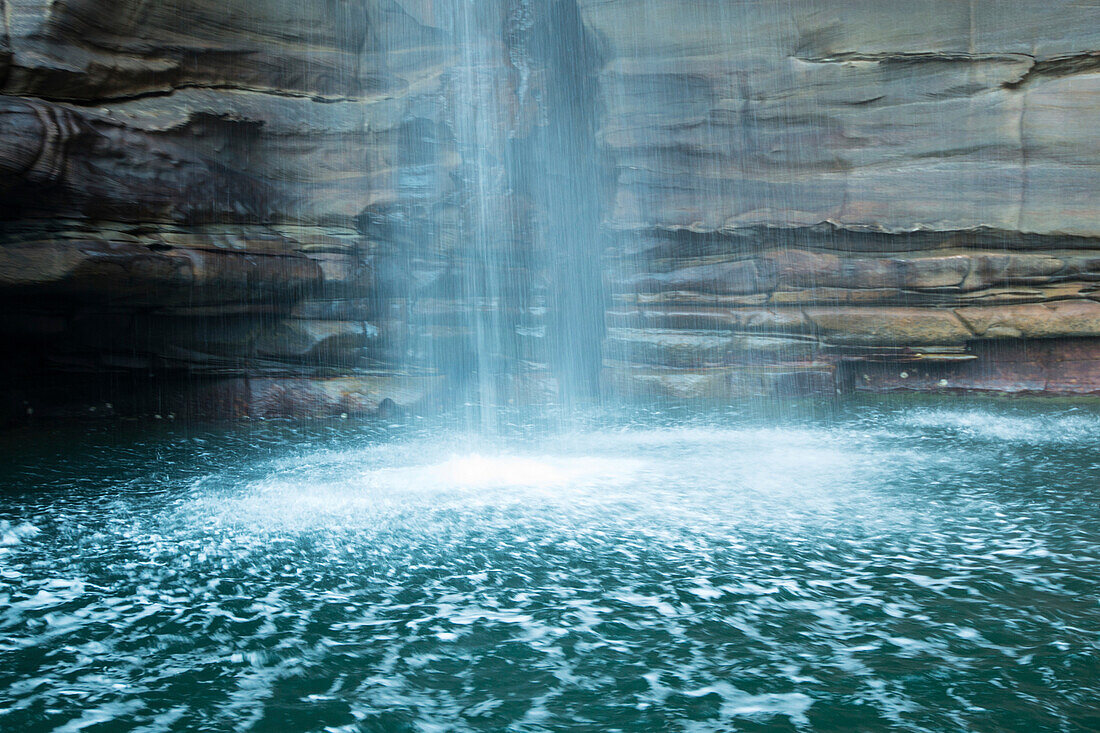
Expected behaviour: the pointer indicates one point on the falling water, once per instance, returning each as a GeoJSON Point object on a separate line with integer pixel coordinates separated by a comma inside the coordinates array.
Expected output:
{"type": "Point", "coordinates": [509, 304]}
{"type": "Point", "coordinates": [489, 293]}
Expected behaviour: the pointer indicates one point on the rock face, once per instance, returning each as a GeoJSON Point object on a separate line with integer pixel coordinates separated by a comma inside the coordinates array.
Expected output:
{"type": "Point", "coordinates": [272, 208]}
{"type": "Point", "coordinates": [872, 195]}
{"type": "Point", "coordinates": [211, 203]}
{"type": "Point", "coordinates": [180, 188]}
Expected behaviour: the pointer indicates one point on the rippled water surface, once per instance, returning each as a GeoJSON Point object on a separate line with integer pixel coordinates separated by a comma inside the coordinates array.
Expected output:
{"type": "Point", "coordinates": [888, 566]}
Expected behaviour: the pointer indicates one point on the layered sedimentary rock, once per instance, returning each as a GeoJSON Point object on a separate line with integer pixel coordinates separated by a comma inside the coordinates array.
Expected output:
{"type": "Point", "coordinates": [249, 209]}
{"type": "Point", "coordinates": [181, 182]}
{"type": "Point", "coordinates": [323, 208]}
{"type": "Point", "coordinates": [871, 195]}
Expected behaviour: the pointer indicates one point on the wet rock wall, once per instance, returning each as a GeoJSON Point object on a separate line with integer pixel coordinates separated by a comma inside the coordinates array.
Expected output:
{"type": "Point", "coordinates": [853, 195]}
{"type": "Point", "coordinates": [261, 209]}
{"type": "Point", "coordinates": [252, 209]}
{"type": "Point", "coordinates": [177, 218]}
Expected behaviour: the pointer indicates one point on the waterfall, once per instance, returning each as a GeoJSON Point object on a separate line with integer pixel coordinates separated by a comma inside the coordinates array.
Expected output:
{"type": "Point", "coordinates": [514, 315]}
{"type": "Point", "coordinates": [479, 97]}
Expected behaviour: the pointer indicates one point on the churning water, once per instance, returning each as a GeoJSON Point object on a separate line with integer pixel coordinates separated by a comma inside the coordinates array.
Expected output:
{"type": "Point", "coordinates": [880, 567]}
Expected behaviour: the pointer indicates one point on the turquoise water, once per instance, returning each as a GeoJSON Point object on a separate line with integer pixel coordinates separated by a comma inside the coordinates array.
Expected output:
{"type": "Point", "coordinates": [868, 566]}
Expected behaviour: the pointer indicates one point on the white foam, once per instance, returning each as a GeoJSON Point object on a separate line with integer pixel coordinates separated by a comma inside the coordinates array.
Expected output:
{"type": "Point", "coordinates": [477, 471]}
{"type": "Point", "coordinates": [1059, 428]}
{"type": "Point", "coordinates": [14, 534]}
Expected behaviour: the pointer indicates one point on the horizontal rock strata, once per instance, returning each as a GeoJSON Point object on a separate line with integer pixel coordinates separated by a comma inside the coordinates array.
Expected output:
{"type": "Point", "coordinates": [801, 190]}
{"type": "Point", "coordinates": [324, 208]}
{"type": "Point", "coordinates": [802, 307]}
{"type": "Point", "coordinates": [265, 207]}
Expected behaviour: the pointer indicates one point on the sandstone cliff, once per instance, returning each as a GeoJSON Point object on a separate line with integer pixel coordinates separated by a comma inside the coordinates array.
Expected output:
{"type": "Point", "coordinates": [877, 194]}
{"type": "Point", "coordinates": [267, 208]}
